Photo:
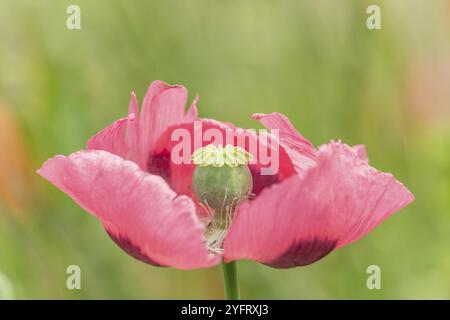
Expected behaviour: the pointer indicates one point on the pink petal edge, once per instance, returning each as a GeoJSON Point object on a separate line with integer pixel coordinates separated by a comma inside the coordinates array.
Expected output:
{"type": "Point", "coordinates": [139, 211]}
{"type": "Point", "coordinates": [299, 149]}
{"type": "Point", "coordinates": [299, 221]}
{"type": "Point", "coordinates": [134, 137]}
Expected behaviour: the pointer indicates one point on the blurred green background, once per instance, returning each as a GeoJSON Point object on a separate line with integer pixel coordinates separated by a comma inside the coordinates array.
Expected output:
{"type": "Point", "coordinates": [314, 61]}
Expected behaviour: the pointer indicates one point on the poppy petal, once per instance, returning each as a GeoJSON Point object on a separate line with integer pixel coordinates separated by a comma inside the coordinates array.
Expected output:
{"type": "Point", "coordinates": [163, 106]}
{"type": "Point", "coordinates": [299, 149]}
{"type": "Point", "coordinates": [111, 139]}
{"type": "Point", "coordinates": [301, 220]}
{"type": "Point", "coordinates": [138, 210]}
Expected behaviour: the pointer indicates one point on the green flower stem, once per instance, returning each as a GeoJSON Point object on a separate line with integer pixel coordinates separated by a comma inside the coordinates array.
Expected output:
{"type": "Point", "coordinates": [230, 280]}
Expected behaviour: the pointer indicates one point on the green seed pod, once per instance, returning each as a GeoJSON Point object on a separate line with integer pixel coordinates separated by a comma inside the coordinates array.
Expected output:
{"type": "Point", "coordinates": [222, 179]}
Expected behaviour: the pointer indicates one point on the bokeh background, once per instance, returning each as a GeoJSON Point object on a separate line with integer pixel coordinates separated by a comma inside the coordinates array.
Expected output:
{"type": "Point", "coordinates": [315, 61]}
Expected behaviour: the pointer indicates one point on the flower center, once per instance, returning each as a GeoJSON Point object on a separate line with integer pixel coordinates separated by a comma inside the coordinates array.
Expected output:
{"type": "Point", "coordinates": [221, 181]}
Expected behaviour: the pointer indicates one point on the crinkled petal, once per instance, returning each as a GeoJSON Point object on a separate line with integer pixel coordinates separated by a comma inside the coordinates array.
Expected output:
{"type": "Point", "coordinates": [299, 221]}
{"type": "Point", "coordinates": [192, 113]}
{"type": "Point", "coordinates": [138, 210]}
{"type": "Point", "coordinates": [132, 130]}
{"type": "Point", "coordinates": [299, 149]}
{"type": "Point", "coordinates": [360, 150]}
{"type": "Point", "coordinates": [170, 146]}
{"type": "Point", "coordinates": [133, 138]}
{"type": "Point", "coordinates": [179, 175]}
{"type": "Point", "coordinates": [121, 137]}
{"type": "Point", "coordinates": [163, 107]}
{"type": "Point", "coordinates": [111, 139]}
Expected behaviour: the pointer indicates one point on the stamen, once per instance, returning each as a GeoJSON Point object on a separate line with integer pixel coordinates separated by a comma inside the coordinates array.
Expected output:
{"type": "Point", "coordinates": [219, 225]}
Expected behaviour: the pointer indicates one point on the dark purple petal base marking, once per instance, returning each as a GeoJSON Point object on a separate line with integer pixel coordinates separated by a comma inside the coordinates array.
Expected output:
{"type": "Point", "coordinates": [133, 250]}
{"type": "Point", "coordinates": [159, 164]}
{"type": "Point", "coordinates": [303, 252]}
{"type": "Point", "coordinates": [260, 181]}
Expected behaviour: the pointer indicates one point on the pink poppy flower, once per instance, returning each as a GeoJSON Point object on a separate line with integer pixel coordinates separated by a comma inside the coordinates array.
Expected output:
{"type": "Point", "coordinates": [318, 200]}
